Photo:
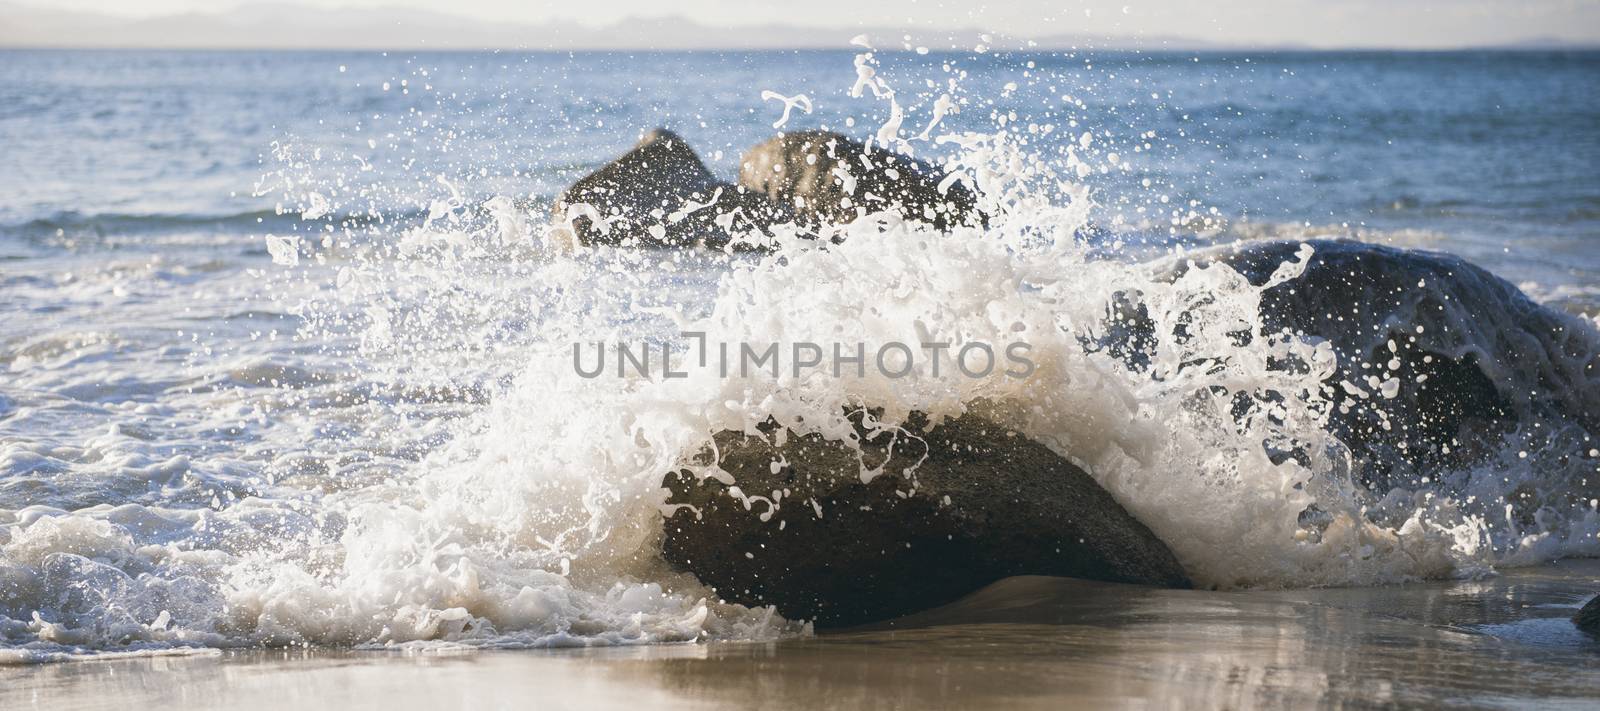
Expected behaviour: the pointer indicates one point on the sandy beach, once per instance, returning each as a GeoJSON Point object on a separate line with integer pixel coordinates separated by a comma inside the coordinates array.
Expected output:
{"type": "Point", "coordinates": [1505, 642]}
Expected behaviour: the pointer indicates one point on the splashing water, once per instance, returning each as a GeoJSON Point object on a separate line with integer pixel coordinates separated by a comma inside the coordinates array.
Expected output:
{"type": "Point", "coordinates": [496, 505]}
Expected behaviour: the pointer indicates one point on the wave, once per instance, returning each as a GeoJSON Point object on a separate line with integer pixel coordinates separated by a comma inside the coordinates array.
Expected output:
{"type": "Point", "coordinates": [533, 516]}
{"type": "Point", "coordinates": [114, 222]}
{"type": "Point", "coordinates": [76, 229]}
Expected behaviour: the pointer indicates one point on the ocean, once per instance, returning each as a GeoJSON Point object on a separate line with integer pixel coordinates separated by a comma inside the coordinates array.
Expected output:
{"type": "Point", "coordinates": [286, 358]}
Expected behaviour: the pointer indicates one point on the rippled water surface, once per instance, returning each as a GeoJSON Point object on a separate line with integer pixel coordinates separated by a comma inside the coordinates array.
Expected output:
{"type": "Point", "coordinates": [282, 367]}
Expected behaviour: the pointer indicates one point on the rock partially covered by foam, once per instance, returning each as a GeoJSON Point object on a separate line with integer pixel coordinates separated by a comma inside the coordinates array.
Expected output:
{"type": "Point", "coordinates": [829, 178]}
{"type": "Point", "coordinates": [1588, 619]}
{"type": "Point", "coordinates": [950, 509]}
{"type": "Point", "coordinates": [660, 194]}
{"type": "Point", "coordinates": [1437, 359]}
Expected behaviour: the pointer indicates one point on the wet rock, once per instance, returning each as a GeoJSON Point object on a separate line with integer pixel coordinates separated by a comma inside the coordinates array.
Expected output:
{"type": "Point", "coordinates": [1438, 359]}
{"type": "Point", "coordinates": [1588, 619]}
{"type": "Point", "coordinates": [954, 507]}
{"type": "Point", "coordinates": [829, 178]}
{"type": "Point", "coordinates": [660, 194]}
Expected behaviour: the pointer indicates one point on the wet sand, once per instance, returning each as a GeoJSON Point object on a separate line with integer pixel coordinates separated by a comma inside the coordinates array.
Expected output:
{"type": "Point", "coordinates": [1503, 642]}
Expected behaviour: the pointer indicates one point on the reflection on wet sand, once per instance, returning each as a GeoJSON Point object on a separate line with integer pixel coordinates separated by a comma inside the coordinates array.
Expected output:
{"type": "Point", "coordinates": [1024, 642]}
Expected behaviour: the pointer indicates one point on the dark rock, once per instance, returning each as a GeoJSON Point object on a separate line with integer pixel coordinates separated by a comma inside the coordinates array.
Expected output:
{"type": "Point", "coordinates": [829, 178]}
{"type": "Point", "coordinates": [1588, 619]}
{"type": "Point", "coordinates": [1486, 357]}
{"type": "Point", "coordinates": [984, 504]}
{"type": "Point", "coordinates": [644, 198]}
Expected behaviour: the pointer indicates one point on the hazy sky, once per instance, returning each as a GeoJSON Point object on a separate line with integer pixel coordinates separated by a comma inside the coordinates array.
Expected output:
{"type": "Point", "coordinates": [1313, 22]}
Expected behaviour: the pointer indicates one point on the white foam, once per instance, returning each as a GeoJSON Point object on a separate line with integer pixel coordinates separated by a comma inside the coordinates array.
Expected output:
{"type": "Point", "coordinates": [401, 511]}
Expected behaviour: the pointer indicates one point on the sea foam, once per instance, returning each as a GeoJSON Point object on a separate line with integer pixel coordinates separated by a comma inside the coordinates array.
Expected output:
{"type": "Point", "coordinates": [521, 505]}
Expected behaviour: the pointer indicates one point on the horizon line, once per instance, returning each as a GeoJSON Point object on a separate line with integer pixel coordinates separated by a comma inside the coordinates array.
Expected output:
{"type": "Point", "coordinates": [1509, 48]}
{"type": "Point", "coordinates": [399, 29]}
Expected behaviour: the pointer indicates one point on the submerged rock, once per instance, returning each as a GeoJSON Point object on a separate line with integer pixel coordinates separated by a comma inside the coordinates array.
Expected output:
{"type": "Point", "coordinates": [1588, 619]}
{"type": "Point", "coordinates": [830, 178]}
{"type": "Point", "coordinates": [660, 194]}
{"type": "Point", "coordinates": [952, 508]}
{"type": "Point", "coordinates": [1437, 359]}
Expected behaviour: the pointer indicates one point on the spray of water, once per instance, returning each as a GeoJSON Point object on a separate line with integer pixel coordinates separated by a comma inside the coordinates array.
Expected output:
{"type": "Point", "coordinates": [525, 507]}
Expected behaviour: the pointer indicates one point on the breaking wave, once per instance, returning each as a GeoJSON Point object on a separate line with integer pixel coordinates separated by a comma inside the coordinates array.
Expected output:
{"type": "Point", "coordinates": [465, 487]}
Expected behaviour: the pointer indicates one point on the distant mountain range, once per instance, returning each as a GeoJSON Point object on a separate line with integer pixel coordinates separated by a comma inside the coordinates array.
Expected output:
{"type": "Point", "coordinates": [288, 26]}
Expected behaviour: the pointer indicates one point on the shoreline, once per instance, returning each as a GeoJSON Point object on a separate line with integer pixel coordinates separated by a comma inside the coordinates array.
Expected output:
{"type": "Point", "coordinates": [1498, 642]}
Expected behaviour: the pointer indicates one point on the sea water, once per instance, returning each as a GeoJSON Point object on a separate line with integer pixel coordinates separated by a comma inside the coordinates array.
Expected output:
{"type": "Point", "coordinates": [288, 347]}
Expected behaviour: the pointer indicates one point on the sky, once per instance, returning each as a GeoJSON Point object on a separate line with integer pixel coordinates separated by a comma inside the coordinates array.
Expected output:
{"type": "Point", "coordinates": [1321, 23]}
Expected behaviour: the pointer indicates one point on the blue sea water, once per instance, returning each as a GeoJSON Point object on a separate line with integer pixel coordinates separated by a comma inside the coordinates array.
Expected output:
{"type": "Point", "coordinates": [1488, 154]}
{"type": "Point", "coordinates": [208, 441]}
